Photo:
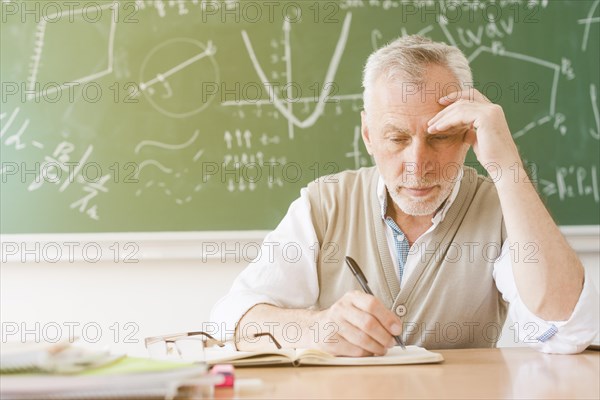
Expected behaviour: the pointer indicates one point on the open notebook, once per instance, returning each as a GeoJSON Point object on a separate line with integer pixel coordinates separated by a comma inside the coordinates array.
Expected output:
{"type": "Point", "coordinates": [296, 357]}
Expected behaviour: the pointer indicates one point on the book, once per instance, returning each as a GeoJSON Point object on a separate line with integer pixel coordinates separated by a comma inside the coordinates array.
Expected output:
{"type": "Point", "coordinates": [297, 357]}
{"type": "Point", "coordinates": [61, 357]}
{"type": "Point", "coordinates": [30, 377]}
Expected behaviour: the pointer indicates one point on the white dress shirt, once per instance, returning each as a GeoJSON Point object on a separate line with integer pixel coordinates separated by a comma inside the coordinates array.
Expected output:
{"type": "Point", "coordinates": [285, 275]}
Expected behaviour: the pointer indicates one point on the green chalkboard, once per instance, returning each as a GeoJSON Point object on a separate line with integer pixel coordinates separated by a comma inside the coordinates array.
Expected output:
{"type": "Point", "coordinates": [156, 115]}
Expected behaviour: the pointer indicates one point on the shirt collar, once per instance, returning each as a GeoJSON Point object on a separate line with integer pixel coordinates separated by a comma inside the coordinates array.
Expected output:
{"type": "Point", "coordinates": [438, 216]}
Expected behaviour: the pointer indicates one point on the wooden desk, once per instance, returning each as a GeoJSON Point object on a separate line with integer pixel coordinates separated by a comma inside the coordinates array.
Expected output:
{"type": "Point", "coordinates": [471, 373]}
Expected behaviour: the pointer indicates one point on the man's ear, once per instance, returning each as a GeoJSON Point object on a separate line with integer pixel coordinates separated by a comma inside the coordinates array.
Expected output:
{"type": "Point", "coordinates": [364, 128]}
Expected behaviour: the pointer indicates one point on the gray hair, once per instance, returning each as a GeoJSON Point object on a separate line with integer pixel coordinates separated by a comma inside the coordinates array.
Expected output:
{"type": "Point", "coordinates": [408, 57]}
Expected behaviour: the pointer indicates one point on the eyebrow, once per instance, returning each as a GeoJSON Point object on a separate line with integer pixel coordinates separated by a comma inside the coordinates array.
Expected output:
{"type": "Point", "coordinates": [393, 128]}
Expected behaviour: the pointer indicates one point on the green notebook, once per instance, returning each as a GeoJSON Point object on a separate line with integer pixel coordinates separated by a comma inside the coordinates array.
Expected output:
{"type": "Point", "coordinates": [127, 377]}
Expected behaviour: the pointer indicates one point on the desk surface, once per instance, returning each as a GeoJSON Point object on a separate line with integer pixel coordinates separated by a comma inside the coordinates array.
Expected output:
{"type": "Point", "coordinates": [469, 373]}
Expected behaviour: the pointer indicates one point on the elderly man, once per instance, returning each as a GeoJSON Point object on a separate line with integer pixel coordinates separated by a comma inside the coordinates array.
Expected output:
{"type": "Point", "coordinates": [444, 249]}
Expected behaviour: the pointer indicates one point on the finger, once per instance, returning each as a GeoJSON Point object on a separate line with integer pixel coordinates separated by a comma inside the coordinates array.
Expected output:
{"type": "Point", "coordinates": [439, 115]}
{"type": "Point", "coordinates": [470, 94]}
{"type": "Point", "coordinates": [371, 326]}
{"type": "Point", "coordinates": [451, 97]}
{"type": "Point", "coordinates": [342, 347]}
{"type": "Point", "coordinates": [346, 315]}
{"type": "Point", "coordinates": [371, 305]}
{"type": "Point", "coordinates": [471, 137]}
{"type": "Point", "coordinates": [359, 338]}
{"type": "Point", "coordinates": [449, 109]}
{"type": "Point", "coordinates": [451, 119]}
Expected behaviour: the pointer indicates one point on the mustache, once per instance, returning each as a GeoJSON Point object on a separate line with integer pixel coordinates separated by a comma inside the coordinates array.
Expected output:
{"type": "Point", "coordinates": [412, 183]}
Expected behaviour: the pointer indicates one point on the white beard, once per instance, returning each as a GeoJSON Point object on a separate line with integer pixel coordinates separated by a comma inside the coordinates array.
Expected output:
{"type": "Point", "coordinates": [422, 206]}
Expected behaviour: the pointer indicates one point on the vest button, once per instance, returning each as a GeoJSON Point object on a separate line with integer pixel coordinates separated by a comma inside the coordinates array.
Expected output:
{"type": "Point", "coordinates": [401, 310]}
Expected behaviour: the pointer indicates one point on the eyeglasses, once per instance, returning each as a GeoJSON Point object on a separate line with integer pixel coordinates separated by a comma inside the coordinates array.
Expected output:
{"type": "Point", "coordinates": [186, 346]}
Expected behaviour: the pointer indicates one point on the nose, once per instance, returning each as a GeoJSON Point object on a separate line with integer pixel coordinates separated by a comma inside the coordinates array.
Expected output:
{"type": "Point", "coordinates": [419, 158]}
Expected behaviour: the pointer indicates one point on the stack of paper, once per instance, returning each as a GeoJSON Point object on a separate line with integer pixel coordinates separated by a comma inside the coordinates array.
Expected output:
{"type": "Point", "coordinates": [60, 357]}
{"type": "Point", "coordinates": [40, 372]}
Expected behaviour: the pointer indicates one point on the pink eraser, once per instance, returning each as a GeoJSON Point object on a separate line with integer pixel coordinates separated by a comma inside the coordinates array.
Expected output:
{"type": "Point", "coordinates": [227, 371]}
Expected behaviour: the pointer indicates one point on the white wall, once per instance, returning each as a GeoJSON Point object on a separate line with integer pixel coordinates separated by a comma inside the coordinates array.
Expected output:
{"type": "Point", "coordinates": [169, 290]}
{"type": "Point", "coordinates": [158, 297]}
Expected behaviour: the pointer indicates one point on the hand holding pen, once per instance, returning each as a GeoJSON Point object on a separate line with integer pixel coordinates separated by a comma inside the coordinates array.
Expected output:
{"type": "Point", "coordinates": [362, 280]}
{"type": "Point", "coordinates": [356, 325]}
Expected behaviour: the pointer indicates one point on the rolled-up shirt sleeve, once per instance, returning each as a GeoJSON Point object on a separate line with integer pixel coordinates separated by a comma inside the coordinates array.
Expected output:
{"type": "Point", "coordinates": [283, 273]}
{"type": "Point", "coordinates": [561, 337]}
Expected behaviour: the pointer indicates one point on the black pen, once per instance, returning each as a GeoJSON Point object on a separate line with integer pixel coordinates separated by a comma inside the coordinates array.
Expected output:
{"type": "Point", "coordinates": [360, 277]}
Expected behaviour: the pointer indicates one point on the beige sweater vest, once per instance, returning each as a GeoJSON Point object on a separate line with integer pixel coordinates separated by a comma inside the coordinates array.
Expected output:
{"type": "Point", "coordinates": [450, 300]}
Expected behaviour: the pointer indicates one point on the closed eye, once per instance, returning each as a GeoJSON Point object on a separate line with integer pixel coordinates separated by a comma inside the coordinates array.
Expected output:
{"type": "Point", "coordinates": [399, 140]}
{"type": "Point", "coordinates": [440, 137]}
{"type": "Point", "coordinates": [448, 137]}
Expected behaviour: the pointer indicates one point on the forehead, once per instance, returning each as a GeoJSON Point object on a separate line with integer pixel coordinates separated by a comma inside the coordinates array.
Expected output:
{"type": "Point", "coordinates": [407, 98]}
